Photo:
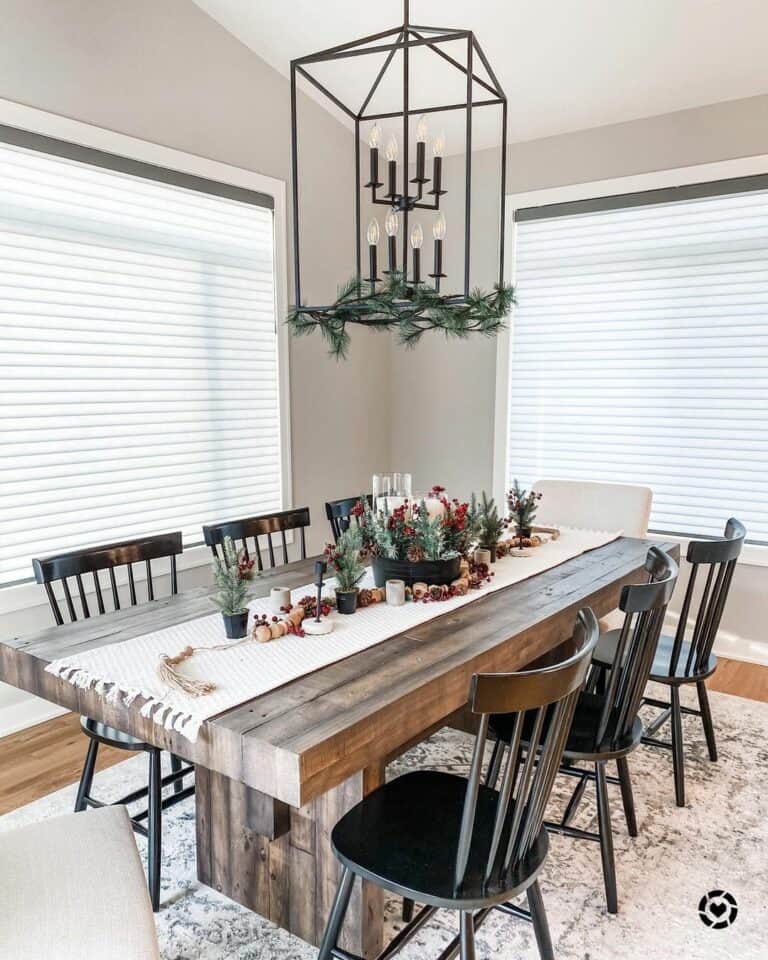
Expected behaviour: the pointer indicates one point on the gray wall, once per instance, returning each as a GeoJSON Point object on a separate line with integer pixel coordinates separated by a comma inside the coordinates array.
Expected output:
{"type": "Point", "coordinates": [167, 73]}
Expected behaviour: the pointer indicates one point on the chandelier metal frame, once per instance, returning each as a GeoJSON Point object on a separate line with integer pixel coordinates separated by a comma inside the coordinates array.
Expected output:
{"type": "Point", "coordinates": [404, 38]}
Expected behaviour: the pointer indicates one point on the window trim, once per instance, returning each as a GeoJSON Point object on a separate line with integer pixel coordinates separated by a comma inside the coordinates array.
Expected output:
{"type": "Point", "coordinates": [598, 192]}
{"type": "Point", "coordinates": [184, 169]}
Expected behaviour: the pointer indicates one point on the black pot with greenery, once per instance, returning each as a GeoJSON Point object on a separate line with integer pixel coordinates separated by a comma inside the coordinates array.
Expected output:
{"type": "Point", "coordinates": [490, 525]}
{"type": "Point", "coordinates": [422, 571]}
{"type": "Point", "coordinates": [523, 505]}
{"type": "Point", "coordinates": [346, 600]}
{"type": "Point", "coordinates": [236, 624]}
{"type": "Point", "coordinates": [231, 575]}
{"type": "Point", "coordinates": [344, 559]}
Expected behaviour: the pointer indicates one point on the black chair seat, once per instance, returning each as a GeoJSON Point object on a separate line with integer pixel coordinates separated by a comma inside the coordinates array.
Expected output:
{"type": "Point", "coordinates": [660, 671]}
{"type": "Point", "coordinates": [582, 740]}
{"type": "Point", "coordinates": [111, 736]}
{"type": "Point", "coordinates": [404, 837]}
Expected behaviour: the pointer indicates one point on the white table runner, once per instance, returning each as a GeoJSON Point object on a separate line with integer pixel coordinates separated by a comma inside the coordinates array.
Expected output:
{"type": "Point", "coordinates": [128, 670]}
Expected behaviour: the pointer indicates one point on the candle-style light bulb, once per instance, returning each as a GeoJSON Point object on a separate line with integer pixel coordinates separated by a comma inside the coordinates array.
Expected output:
{"type": "Point", "coordinates": [392, 224]}
{"type": "Point", "coordinates": [438, 147]}
{"type": "Point", "coordinates": [421, 130]}
{"type": "Point", "coordinates": [438, 227]}
{"type": "Point", "coordinates": [374, 137]}
{"type": "Point", "coordinates": [373, 232]}
{"type": "Point", "coordinates": [391, 151]}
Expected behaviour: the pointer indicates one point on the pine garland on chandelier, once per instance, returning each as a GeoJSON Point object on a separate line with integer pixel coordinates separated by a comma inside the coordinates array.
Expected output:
{"type": "Point", "coordinates": [411, 309]}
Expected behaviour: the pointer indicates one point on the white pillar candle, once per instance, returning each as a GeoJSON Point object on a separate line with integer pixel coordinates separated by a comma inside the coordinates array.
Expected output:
{"type": "Point", "coordinates": [482, 556]}
{"type": "Point", "coordinates": [396, 593]}
{"type": "Point", "coordinates": [279, 597]}
{"type": "Point", "coordinates": [435, 507]}
{"type": "Point", "coordinates": [393, 503]}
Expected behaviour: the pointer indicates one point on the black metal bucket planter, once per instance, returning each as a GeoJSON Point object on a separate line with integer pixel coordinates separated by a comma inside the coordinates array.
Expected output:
{"type": "Point", "coordinates": [425, 571]}
{"type": "Point", "coordinates": [346, 600]}
{"type": "Point", "coordinates": [236, 625]}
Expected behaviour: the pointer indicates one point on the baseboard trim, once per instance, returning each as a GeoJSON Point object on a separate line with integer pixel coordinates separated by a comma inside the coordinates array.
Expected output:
{"type": "Point", "coordinates": [28, 713]}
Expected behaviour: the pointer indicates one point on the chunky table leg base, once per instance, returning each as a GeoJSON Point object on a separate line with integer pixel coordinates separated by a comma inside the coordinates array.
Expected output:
{"type": "Point", "coordinates": [277, 860]}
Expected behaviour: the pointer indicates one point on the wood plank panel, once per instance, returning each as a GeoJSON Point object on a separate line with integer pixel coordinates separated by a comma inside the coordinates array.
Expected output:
{"type": "Point", "coordinates": [292, 879]}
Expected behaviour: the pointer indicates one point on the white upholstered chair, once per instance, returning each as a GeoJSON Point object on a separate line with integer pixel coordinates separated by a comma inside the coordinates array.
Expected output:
{"type": "Point", "coordinates": [73, 888]}
{"type": "Point", "coordinates": [596, 506]}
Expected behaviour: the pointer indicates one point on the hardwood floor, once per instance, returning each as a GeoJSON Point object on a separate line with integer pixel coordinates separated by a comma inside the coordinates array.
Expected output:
{"type": "Point", "coordinates": [44, 758]}
{"type": "Point", "coordinates": [37, 761]}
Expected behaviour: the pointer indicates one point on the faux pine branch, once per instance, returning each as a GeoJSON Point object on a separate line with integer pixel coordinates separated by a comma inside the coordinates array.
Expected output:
{"type": "Point", "coordinates": [412, 310]}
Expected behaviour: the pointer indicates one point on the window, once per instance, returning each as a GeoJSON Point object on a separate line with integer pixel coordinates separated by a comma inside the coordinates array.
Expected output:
{"type": "Point", "coordinates": [138, 345]}
{"type": "Point", "coordinates": [640, 350]}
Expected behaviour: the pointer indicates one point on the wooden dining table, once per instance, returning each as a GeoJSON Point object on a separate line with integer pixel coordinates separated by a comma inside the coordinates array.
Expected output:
{"type": "Point", "coordinates": [274, 774]}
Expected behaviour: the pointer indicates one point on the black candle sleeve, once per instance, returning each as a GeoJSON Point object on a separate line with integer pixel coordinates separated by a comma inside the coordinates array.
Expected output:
{"type": "Point", "coordinates": [437, 177]}
{"type": "Point", "coordinates": [438, 258]}
{"type": "Point", "coordinates": [416, 265]}
{"type": "Point", "coordinates": [392, 247]}
{"type": "Point", "coordinates": [421, 150]}
{"type": "Point", "coordinates": [374, 180]}
{"type": "Point", "coordinates": [392, 177]}
{"type": "Point", "coordinates": [373, 266]}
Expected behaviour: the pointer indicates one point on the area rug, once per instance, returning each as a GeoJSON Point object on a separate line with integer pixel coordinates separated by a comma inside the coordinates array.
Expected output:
{"type": "Point", "coordinates": [718, 842]}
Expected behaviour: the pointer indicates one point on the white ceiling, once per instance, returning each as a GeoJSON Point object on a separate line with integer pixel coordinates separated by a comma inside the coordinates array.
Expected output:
{"type": "Point", "coordinates": [565, 64]}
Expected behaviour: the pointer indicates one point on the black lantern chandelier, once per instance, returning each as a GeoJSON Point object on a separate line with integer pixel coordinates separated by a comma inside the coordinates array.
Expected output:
{"type": "Point", "coordinates": [405, 182]}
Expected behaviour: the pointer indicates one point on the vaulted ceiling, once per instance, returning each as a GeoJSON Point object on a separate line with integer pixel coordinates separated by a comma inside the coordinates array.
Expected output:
{"type": "Point", "coordinates": [565, 64]}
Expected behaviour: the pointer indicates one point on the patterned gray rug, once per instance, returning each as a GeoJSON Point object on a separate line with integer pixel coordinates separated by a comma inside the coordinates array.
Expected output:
{"type": "Point", "coordinates": [718, 842]}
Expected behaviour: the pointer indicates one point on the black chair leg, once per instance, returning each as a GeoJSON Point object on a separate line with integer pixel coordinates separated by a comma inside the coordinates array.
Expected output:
{"type": "Point", "coordinates": [337, 914]}
{"type": "Point", "coordinates": [178, 785]}
{"type": "Point", "coordinates": [706, 719]}
{"type": "Point", "coordinates": [407, 910]}
{"type": "Point", "coordinates": [678, 763]}
{"type": "Point", "coordinates": [467, 936]}
{"type": "Point", "coordinates": [573, 803]}
{"type": "Point", "coordinates": [627, 797]}
{"type": "Point", "coordinates": [154, 828]}
{"type": "Point", "coordinates": [606, 839]}
{"type": "Point", "coordinates": [540, 925]}
{"type": "Point", "coordinates": [86, 778]}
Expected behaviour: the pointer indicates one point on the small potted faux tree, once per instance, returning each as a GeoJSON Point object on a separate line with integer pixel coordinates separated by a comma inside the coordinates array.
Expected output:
{"type": "Point", "coordinates": [490, 525]}
{"type": "Point", "coordinates": [231, 575]}
{"type": "Point", "coordinates": [344, 558]}
{"type": "Point", "coordinates": [523, 505]}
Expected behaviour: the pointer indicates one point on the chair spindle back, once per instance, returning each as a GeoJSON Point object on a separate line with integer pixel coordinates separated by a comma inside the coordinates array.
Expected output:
{"type": "Point", "coordinates": [720, 557]}
{"type": "Point", "coordinates": [644, 606]}
{"type": "Point", "coordinates": [266, 525]}
{"type": "Point", "coordinates": [77, 564]}
{"type": "Point", "coordinates": [340, 513]}
{"type": "Point", "coordinates": [543, 702]}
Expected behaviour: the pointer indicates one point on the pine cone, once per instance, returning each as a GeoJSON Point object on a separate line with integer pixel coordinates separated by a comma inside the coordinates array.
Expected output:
{"type": "Point", "coordinates": [364, 597]}
{"type": "Point", "coordinates": [415, 554]}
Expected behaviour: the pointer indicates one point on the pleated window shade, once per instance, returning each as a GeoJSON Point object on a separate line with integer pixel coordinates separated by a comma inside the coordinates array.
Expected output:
{"type": "Point", "coordinates": [640, 355]}
{"type": "Point", "coordinates": [138, 351]}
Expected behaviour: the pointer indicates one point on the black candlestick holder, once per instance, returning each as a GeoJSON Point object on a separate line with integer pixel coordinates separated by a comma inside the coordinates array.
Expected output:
{"type": "Point", "coordinates": [437, 178]}
{"type": "Point", "coordinates": [374, 174]}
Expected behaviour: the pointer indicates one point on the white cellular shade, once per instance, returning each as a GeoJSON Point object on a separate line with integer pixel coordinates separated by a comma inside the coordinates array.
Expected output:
{"type": "Point", "coordinates": [640, 355]}
{"type": "Point", "coordinates": [138, 358]}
